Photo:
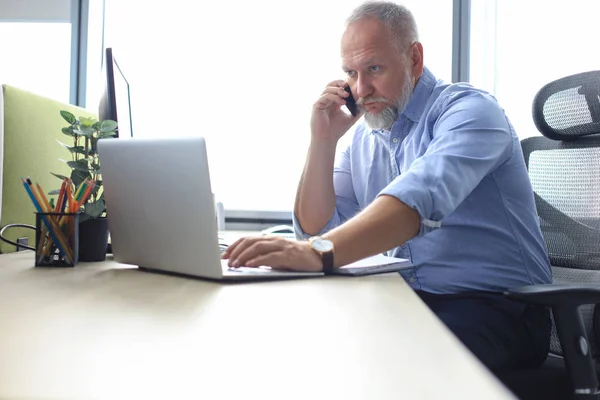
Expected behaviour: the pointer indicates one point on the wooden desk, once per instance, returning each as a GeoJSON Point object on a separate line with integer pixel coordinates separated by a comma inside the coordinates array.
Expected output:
{"type": "Point", "coordinates": [110, 331]}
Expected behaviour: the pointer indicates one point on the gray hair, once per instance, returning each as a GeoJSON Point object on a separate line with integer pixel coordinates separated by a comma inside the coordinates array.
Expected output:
{"type": "Point", "coordinates": [398, 20]}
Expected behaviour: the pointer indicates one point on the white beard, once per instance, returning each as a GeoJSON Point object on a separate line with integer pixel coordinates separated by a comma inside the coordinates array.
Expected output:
{"type": "Point", "coordinates": [386, 118]}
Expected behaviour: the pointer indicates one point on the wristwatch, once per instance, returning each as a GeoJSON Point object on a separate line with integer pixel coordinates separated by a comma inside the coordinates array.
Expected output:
{"type": "Point", "coordinates": [324, 248]}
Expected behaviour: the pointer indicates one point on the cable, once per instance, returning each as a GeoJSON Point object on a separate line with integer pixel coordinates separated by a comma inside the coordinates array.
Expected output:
{"type": "Point", "coordinates": [222, 246]}
{"type": "Point", "coordinates": [24, 246]}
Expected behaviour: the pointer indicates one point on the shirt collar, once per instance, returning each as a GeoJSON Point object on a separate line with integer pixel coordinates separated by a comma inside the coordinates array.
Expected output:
{"type": "Point", "coordinates": [423, 89]}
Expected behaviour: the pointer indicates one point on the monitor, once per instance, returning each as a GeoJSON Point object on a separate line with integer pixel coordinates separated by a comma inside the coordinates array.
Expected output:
{"type": "Point", "coordinates": [115, 102]}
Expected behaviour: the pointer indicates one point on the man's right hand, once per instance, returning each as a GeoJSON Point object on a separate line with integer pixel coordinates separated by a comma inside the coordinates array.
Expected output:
{"type": "Point", "coordinates": [329, 122]}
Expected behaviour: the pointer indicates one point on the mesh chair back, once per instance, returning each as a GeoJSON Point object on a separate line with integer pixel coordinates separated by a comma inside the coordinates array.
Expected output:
{"type": "Point", "coordinates": [564, 169]}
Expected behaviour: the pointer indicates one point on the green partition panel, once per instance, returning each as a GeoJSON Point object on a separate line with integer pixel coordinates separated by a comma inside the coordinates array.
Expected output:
{"type": "Point", "coordinates": [32, 128]}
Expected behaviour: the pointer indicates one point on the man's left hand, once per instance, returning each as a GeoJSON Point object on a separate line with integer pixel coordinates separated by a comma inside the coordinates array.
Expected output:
{"type": "Point", "coordinates": [273, 251]}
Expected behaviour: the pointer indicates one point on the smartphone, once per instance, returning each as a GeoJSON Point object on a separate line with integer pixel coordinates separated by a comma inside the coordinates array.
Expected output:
{"type": "Point", "coordinates": [350, 102]}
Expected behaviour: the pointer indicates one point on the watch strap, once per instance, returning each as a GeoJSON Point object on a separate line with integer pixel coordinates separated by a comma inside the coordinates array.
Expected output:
{"type": "Point", "coordinates": [327, 258]}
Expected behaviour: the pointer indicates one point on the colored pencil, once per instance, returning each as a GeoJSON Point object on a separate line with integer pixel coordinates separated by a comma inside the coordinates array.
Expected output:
{"type": "Point", "coordinates": [51, 226]}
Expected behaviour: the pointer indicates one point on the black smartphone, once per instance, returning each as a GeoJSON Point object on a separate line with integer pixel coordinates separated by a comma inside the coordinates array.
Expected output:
{"type": "Point", "coordinates": [350, 102]}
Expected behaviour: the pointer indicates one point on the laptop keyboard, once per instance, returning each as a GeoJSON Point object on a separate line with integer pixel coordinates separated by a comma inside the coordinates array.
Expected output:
{"type": "Point", "coordinates": [248, 270]}
{"type": "Point", "coordinates": [222, 247]}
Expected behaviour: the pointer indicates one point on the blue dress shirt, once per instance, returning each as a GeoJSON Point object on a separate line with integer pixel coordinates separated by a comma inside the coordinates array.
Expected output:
{"type": "Point", "coordinates": [455, 158]}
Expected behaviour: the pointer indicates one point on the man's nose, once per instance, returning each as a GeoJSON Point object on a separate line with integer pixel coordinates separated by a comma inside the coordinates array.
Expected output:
{"type": "Point", "coordinates": [364, 87]}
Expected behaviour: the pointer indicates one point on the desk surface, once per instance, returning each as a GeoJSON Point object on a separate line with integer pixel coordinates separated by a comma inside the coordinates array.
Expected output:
{"type": "Point", "coordinates": [104, 330]}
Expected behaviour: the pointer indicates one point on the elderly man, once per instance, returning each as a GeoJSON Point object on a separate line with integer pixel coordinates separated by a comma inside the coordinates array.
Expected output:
{"type": "Point", "coordinates": [434, 173]}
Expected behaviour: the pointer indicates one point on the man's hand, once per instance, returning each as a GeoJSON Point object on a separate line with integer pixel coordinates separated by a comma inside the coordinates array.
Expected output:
{"type": "Point", "coordinates": [328, 120]}
{"type": "Point", "coordinates": [273, 251]}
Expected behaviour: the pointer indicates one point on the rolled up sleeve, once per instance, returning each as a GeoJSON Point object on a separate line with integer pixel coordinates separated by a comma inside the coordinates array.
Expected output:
{"type": "Point", "coordinates": [470, 137]}
{"type": "Point", "coordinates": [346, 205]}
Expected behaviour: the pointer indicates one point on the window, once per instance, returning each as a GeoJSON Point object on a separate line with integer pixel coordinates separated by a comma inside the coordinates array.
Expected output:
{"type": "Point", "coordinates": [519, 46]}
{"type": "Point", "coordinates": [95, 57]}
{"type": "Point", "coordinates": [245, 75]}
{"type": "Point", "coordinates": [39, 49]}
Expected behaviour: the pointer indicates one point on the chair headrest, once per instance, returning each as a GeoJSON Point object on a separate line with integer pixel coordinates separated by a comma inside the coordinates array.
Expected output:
{"type": "Point", "coordinates": [569, 107]}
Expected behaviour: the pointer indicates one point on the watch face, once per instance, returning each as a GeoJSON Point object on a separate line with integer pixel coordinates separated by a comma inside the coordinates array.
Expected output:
{"type": "Point", "coordinates": [323, 245]}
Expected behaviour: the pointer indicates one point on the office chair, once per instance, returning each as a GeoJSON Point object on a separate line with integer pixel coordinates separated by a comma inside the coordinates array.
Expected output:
{"type": "Point", "coordinates": [564, 168]}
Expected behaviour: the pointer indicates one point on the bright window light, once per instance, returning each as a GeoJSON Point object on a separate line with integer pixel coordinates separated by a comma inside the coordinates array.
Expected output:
{"type": "Point", "coordinates": [516, 49]}
{"type": "Point", "coordinates": [37, 57]}
{"type": "Point", "coordinates": [245, 75]}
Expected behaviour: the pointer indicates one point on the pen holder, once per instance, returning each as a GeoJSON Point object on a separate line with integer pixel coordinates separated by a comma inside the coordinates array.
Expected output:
{"type": "Point", "coordinates": [56, 239]}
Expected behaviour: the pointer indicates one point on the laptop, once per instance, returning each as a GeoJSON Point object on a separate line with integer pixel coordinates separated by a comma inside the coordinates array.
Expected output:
{"type": "Point", "coordinates": [161, 210]}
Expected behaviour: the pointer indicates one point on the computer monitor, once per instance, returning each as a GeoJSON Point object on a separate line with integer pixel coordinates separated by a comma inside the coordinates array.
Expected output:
{"type": "Point", "coordinates": [115, 101]}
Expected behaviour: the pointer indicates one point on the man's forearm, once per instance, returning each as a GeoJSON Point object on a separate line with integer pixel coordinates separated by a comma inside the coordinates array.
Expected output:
{"type": "Point", "coordinates": [315, 198]}
{"type": "Point", "coordinates": [384, 224]}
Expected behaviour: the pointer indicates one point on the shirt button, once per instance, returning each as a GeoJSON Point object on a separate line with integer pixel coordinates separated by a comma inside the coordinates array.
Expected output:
{"type": "Point", "coordinates": [395, 140]}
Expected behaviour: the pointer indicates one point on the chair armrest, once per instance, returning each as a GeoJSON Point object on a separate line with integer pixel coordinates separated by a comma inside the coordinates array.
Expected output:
{"type": "Point", "coordinates": [555, 294]}
{"type": "Point", "coordinates": [565, 301]}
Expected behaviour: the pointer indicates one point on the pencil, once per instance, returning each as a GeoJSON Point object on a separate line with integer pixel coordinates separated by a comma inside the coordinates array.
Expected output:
{"type": "Point", "coordinates": [80, 190]}
{"type": "Point", "coordinates": [88, 191]}
{"type": "Point", "coordinates": [45, 241]}
{"type": "Point", "coordinates": [61, 195]}
{"type": "Point", "coordinates": [43, 201]}
{"type": "Point", "coordinates": [38, 199]}
{"type": "Point", "coordinates": [69, 196]}
{"type": "Point", "coordinates": [49, 222]}
{"type": "Point", "coordinates": [42, 196]}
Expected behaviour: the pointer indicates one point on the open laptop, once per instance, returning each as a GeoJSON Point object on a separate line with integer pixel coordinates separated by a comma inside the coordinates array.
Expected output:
{"type": "Point", "coordinates": [161, 211]}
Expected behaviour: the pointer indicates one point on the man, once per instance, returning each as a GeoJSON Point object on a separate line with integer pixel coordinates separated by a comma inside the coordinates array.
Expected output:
{"type": "Point", "coordinates": [434, 173]}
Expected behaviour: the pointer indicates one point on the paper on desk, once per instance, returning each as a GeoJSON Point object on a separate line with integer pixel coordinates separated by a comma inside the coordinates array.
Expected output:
{"type": "Point", "coordinates": [377, 264]}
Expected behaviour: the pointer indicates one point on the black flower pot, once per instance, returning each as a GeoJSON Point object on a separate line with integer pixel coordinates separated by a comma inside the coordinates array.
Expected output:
{"type": "Point", "coordinates": [93, 239]}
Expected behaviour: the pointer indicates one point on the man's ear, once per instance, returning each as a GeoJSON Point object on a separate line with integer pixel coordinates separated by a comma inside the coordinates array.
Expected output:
{"type": "Point", "coordinates": [416, 59]}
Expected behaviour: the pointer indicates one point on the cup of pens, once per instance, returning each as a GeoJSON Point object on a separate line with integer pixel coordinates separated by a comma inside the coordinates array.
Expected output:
{"type": "Point", "coordinates": [57, 239]}
{"type": "Point", "coordinates": [57, 225]}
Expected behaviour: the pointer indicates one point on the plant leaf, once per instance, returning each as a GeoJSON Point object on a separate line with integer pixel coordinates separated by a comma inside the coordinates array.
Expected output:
{"type": "Point", "coordinates": [67, 116]}
{"type": "Point", "coordinates": [87, 122]}
{"type": "Point", "coordinates": [68, 131]}
{"type": "Point", "coordinates": [108, 125]}
{"type": "Point", "coordinates": [96, 189]}
{"type": "Point", "coordinates": [79, 150]}
{"type": "Point", "coordinates": [59, 176]}
{"type": "Point", "coordinates": [104, 135]}
{"type": "Point", "coordinates": [73, 149]}
{"type": "Point", "coordinates": [85, 131]}
{"type": "Point", "coordinates": [79, 165]}
{"type": "Point", "coordinates": [94, 209]}
{"type": "Point", "coordinates": [78, 176]}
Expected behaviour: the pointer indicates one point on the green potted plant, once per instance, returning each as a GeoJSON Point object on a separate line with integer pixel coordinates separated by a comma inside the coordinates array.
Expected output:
{"type": "Point", "coordinates": [84, 164]}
